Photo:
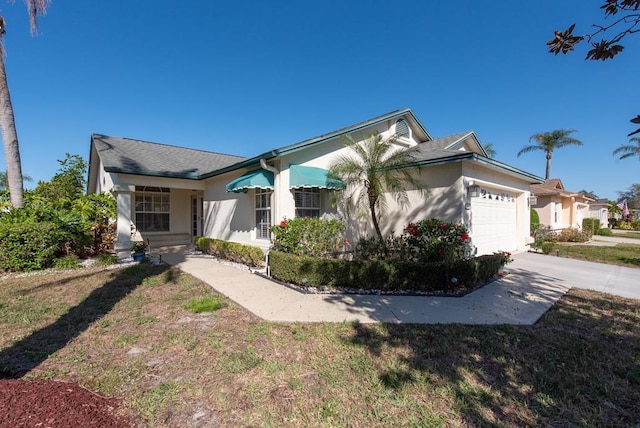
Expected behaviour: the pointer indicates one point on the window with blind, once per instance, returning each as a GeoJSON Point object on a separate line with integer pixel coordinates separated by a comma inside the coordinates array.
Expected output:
{"type": "Point", "coordinates": [307, 203]}
{"type": "Point", "coordinates": [152, 209]}
{"type": "Point", "coordinates": [263, 213]}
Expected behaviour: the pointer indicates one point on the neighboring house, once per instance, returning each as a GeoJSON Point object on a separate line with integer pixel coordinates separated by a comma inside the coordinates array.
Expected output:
{"type": "Point", "coordinates": [557, 207]}
{"type": "Point", "coordinates": [599, 209]}
{"type": "Point", "coordinates": [169, 194]}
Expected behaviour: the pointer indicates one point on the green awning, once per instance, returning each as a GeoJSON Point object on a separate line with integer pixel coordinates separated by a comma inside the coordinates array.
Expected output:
{"type": "Point", "coordinates": [309, 176]}
{"type": "Point", "coordinates": [258, 179]}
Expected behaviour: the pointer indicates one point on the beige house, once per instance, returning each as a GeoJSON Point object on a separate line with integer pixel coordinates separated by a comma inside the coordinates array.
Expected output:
{"type": "Point", "coordinates": [599, 209]}
{"type": "Point", "coordinates": [557, 207]}
{"type": "Point", "coordinates": [168, 194]}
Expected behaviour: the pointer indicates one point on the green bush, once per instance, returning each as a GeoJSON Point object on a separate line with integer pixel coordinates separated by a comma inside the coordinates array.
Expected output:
{"type": "Point", "coordinates": [309, 236]}
{"type": "Point", "coordinates": [547, 247]}
{"type": "Point", "coordinates": [613, 222]}
{"type": "Point", "coordinates": [26, 246]}
{"type": "Point", "coordinates": [393, 275]}
{"type": "Point", "coordinates": [605, 232]}
{"type": "Point", "coordinates": [590, 225]}
{"type": "Point", "coordinates": [535, 220]}
{"type": "Point", "coordinates": [233, 251]}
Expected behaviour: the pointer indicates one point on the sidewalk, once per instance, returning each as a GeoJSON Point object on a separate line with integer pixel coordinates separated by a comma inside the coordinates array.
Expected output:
{"type": "Point", "coordinates": [521, 297]}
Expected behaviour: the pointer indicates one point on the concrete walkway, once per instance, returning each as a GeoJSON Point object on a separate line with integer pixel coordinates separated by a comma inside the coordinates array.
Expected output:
{"type": "Point", "coordinates": [535, 282]}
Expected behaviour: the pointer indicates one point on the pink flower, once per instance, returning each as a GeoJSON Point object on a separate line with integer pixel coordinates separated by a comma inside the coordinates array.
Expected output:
{"type": "Point", "coordinates": [443, 226]}
{"type": "Point", "coordinates": [464, 236]}
{"type": "Point", "coordinates": [283, 223]}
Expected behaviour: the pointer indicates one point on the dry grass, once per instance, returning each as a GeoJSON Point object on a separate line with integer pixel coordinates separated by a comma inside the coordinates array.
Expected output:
{"type": "Point", "coordinates": [127, 333]}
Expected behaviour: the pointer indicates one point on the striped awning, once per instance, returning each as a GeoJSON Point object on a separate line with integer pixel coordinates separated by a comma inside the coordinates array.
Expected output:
{"type": "Point", "coordinates": [257, 179]}
{"type": "Point", "coordinates": [309, 177]}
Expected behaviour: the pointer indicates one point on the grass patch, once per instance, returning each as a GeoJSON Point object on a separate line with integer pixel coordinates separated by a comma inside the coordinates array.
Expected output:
{"type": "Point", "coordinates": [621, 254]}
{"type": "Point", "coordinates": [632, 235]}
{"type": "Point", "coordinates": [205, 304]}
{"type": "Point", "coordinates": [579, 364]}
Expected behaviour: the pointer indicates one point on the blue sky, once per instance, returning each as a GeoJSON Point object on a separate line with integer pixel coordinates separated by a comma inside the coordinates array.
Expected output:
{"type": "Point", "coordinates": [246, 76]}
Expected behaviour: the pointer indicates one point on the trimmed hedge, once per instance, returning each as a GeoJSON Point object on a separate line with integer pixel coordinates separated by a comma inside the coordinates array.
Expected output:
{"type": "Point", "coordinates": [591, 225]}
{"type": "Point", "coordinates": [233, 251]}
{"type": "Point", "coordinates": [381, 275]}
{"type": "Point", "coordinates": [26, 246]}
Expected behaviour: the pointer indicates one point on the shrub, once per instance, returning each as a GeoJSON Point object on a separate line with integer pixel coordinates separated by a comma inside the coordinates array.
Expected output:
{"type": "Point", "coordinates": [309, 236]}
{"type": "Point", "coordinates": [547, 247]}
{"type": "Point", "coordinates": [233, 251]}
{"type": "Point", "coordinates": [105, 259]}
{"type": "Point", "coordinates": [605, 232]}
{"type": "Point", "coordinates": [26, 246]}
{"type": "Point", "coordinates": [435, 240]}
{"type": "Point", "coordinates": [543, 234]}
{"type": "Point", "coordinates": [535, 220]}
{"type": "Point", "coordinates": [629, 225]}
{"type": "Point", "coordinates": [590, 225]}
{"type": "Point", "coordinates": [613, 222]}
{"type": "Point", "coordinates": [382, 275]}
{"type": "Point", "coordinates": [573, 235]}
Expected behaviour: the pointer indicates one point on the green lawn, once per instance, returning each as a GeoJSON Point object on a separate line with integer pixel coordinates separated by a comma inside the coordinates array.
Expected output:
{"type": "Point", "coordinates": [132, 333]}
{"type": "Point", "coordinates": [621, 254]}
{"type": "Point", "coordinates": [633, 235]}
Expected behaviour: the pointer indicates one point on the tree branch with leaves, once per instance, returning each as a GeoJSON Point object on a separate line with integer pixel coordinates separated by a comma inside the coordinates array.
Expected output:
{"type": "Point", "coordinates": [627, 23]}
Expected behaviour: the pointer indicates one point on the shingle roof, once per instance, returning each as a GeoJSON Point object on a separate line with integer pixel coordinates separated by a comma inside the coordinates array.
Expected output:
{"type": "Point", "coordinates": [553, 186]}
{"type": "Point", "coordinates": [131, 156]}
{"type": "Point", "coordinates": [437, 148]}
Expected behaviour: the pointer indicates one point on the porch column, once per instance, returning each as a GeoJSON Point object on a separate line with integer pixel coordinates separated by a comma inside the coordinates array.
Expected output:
{"type": "Point", "coordinates": [122, 245]}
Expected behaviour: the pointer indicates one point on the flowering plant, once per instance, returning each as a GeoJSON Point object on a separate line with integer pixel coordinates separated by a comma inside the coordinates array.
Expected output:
{"type": "Point", "coordinates": [505, 257]}
{"type": "Point", "coordinates": [433, 239]}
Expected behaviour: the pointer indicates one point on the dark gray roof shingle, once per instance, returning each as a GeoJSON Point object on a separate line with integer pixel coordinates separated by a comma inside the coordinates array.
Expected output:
{"type": "Point", "coordinates": [145, 158]}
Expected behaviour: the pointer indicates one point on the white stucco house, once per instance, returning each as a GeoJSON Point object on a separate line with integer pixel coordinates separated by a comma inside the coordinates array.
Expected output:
{"type": "Point", "coordinates": [168, 194]}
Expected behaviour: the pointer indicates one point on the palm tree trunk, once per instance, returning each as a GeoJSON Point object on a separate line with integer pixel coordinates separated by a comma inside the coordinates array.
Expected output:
{"type": "Point", "coordinates": [10, 141]}
{"type": "Point", "coordinates": [548, 172]}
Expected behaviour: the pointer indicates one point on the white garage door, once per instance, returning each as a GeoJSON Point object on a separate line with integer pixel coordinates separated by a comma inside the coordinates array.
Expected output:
{"type": "Point", "coordinates": [493, 221]}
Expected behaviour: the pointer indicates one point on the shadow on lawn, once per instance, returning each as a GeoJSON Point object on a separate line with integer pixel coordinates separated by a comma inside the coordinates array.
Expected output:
{"type": "Point", "coordinates": [29, 352]}
{"type": "Point", "coordinates": [578, 365]}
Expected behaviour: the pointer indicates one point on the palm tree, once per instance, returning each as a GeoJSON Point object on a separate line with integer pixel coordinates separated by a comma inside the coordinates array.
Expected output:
{"type": "Point", "coordinates": [7, 121]}
{"type": "Point", "coordinates": [548, 142]}
{"type": "Point", "coordinates": [629, 150]}
{"type": "Point", "coordinates": [373, 168]}
{"type": "Point", "coordinates": [491, 152]}
{"type": "Point", "coordinates": [4, 183]}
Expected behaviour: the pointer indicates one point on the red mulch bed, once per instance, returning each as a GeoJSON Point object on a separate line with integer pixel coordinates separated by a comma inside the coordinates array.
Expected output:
{"type": "Point", "coordinates": [52, 404]}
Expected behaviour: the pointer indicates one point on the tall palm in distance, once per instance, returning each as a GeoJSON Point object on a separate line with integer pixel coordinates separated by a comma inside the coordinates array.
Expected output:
{"type": "Point", "coordinates": [629, 150]}
{"type": "Point", "coordinates": [548, 142]}
{"type": "Point", "coordinates": [35, 9]}
{"type": "Point", "coordinates": [373, 168]}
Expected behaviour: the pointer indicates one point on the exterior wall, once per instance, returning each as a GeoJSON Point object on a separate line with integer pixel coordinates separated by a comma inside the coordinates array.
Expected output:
{"type": "Point", "coordinates": [230, 216]}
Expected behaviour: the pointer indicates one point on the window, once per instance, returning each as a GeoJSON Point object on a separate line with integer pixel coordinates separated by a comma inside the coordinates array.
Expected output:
{"type": "Point", "coordinates": [402, 129]}
{"type": "Point", "coordinates": [152, 209]}
{"type": "Point", "coordinates": [263, 213]}
{"type": "Point", "coordinates": [307, 203]}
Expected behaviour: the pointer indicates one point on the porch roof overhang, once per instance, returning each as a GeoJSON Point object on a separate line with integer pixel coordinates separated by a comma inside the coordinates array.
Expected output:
{"type": "Point", "coordinates": [312, 177]}
{"type": "Point", "coordinates": [256, 179]}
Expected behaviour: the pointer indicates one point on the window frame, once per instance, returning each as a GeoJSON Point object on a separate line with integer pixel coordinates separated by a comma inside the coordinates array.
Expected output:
{"type": "Point", "coordinates": [151, 206]}
{"type": "Point", "coordinates": [260, 209]}
{"type": "Point", "coordinates": [309, 194]}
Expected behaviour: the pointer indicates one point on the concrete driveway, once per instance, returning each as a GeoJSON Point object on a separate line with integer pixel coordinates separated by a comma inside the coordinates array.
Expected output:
{"type": "Point", "coordinates": [618, 280]}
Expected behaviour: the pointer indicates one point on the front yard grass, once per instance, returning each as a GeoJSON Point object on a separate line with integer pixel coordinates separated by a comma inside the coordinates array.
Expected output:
{"type": "Point", "coordinates": [578, 366]}
{"type": "Point", "coordinates": [621, 254]}
{"type": "Point", "coordinates": [634, 235]}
